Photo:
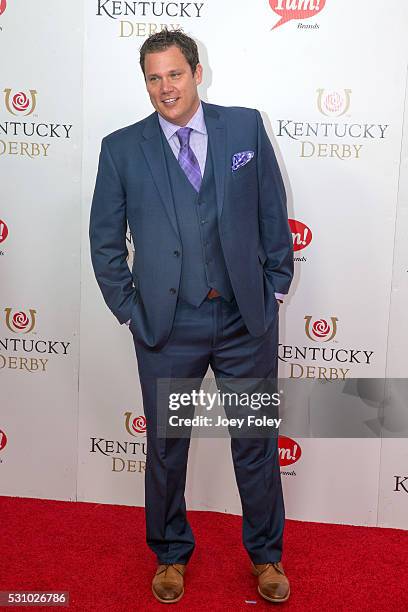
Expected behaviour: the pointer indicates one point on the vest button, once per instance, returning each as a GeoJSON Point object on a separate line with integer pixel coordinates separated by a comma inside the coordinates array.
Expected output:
{"type": "Point", "coordinates": [172, 290]}
{"type": "Point", "coordinates": [176, 253]}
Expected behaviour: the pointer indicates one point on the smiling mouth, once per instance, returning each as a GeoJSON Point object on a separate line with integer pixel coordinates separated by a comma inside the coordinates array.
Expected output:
{"type": "Point", "coordinates": [170, 101]}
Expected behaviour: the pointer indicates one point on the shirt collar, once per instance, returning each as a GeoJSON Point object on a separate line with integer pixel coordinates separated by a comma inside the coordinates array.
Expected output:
{"type": "Point", "coordinates": [196, 123]}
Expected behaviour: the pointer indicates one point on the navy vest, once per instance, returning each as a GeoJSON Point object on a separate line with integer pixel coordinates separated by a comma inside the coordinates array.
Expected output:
{"type": "Point", "coordinates": [203, 265]}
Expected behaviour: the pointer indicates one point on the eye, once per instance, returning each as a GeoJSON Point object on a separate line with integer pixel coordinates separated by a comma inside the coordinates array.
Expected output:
{"type": "Point", "coordinates": [175, 75]}
{"type": "Point", "coordinates": [152, 79]}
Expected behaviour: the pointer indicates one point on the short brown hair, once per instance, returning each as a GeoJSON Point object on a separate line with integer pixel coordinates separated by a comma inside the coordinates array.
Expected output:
{"type": "Point", "coordinates": [161, 41]}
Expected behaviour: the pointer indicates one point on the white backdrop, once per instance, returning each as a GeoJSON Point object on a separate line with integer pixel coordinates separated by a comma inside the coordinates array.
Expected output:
{"type": "Point", "coordinates": [331, 88]}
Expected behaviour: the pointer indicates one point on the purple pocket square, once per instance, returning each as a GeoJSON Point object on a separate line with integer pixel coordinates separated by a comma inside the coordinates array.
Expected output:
{"type": "Point", "coordinates": [240, 159]}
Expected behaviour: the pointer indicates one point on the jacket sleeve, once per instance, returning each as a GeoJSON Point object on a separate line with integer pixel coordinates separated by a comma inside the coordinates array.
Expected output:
{"type": "Point", "coordinates": [107, 233]}
{"type": "Point", "coordinates": [275, 233]}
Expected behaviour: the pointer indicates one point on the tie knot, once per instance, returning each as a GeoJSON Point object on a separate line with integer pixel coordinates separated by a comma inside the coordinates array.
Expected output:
{"type": "Point", "coordinates": [184, 136]}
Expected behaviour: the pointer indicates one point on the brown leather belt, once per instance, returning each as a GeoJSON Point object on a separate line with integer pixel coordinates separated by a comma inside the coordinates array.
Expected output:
{"type": "Point", "coordinates": [213, 294]}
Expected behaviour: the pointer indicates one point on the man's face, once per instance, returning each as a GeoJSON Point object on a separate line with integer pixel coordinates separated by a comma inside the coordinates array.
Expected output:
{"type": "Point", "coordinates": [171, 85]}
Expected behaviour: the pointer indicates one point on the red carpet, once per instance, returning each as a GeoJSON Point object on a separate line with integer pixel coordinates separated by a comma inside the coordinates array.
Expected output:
{"type": "Point", "coordinates": [98, 554]}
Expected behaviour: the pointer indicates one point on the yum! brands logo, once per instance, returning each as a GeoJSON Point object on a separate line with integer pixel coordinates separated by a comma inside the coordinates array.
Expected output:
{"type": "Point", "coordinates": [3, 6]}
{"type": "Point", "coordinates": [296, 9]}
{"type": "Point", "coordinates": [20, 322]}
{"type": "Point", "coordinates": [289, 451]}
{"type": "Point", "coordinates": [3, 231]}
{"type": "Point", "coordinates": [320, 330]}
{"type": "Point", "coordinates": [3, 440]}
{"type": "Point", "coordinates": [20, 103]}
{"type": "Point", "coordinates": [301, 236]}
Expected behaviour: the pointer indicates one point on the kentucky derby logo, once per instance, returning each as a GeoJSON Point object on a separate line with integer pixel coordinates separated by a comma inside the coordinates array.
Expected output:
{"type": "Point", "coordinates": [320, 330]}
{"type": "Point", "coordinates": [3, 6]}
{"type": "Point", "coordinates": [3, 440]}
{"type": "Point", "coordinates": [333, 103]}
{"type": "Point", "coordinates": [295, 9]}
{"type": "Point", "coordinates": [3, 231]}
{"type": "Point", "coordinates": [19, 321]}
{"type": "Point", "coordinates": [135, 425]}
{"type": "Point", "coordinates": [20, 103]}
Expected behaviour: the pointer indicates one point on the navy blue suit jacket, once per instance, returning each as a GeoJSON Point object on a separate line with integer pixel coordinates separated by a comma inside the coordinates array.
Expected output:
{"type": "Point", "coordinates": [133, 187]}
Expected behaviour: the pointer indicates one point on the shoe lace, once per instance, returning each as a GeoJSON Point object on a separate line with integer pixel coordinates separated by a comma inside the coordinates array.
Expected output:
{"type": "Point", "coordinates": [168, 565]}
{"type": "Point", "coordinates": [275, 566]}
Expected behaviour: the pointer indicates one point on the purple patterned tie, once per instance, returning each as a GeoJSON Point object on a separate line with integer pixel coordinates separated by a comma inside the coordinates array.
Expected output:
{"type": "Point", "coordinates": [187, 159]}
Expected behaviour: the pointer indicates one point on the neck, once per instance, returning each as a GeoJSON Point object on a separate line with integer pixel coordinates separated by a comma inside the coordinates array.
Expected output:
{"type": "Point", "coordinates": [184, 122]}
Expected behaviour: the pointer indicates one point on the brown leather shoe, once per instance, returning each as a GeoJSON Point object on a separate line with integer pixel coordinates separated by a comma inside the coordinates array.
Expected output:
{"type": "Point", "coordinates": [272, 582]}
{"type": "Point", "coordinates": [168, 583]}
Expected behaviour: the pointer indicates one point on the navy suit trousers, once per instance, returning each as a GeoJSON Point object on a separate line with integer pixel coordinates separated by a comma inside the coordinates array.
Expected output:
{"type": "Point", "coordinates": [215, 335]}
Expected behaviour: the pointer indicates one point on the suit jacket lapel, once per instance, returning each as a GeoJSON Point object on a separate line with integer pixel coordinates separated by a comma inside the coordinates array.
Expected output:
{"type": "Point", "coordinates": [217, 142]}
{"type": "Point", "coordinates": [152, 148]}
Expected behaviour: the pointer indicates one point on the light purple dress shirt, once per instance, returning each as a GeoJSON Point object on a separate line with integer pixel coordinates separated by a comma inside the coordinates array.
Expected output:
{"type": "Point", "coordinates": [198, 136]}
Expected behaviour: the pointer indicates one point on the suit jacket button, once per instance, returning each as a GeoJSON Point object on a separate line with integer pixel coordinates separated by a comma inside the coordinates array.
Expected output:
{"type": "Point", "coordinates": [172, 290]}
{"type": "Point", "coordinates": [176, 253]}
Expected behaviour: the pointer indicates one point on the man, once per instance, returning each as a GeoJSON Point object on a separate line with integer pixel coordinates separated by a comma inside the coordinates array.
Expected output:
{"type": "Point", "coordinates": [202, 193]}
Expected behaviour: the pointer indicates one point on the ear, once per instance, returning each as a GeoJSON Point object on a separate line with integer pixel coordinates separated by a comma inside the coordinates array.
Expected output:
{"type": "Point", "coordinates": [198, 75]}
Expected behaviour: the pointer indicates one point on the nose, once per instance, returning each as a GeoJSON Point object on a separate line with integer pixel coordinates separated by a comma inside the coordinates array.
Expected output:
{"type": "Point", "coordinates": [166, 85]}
